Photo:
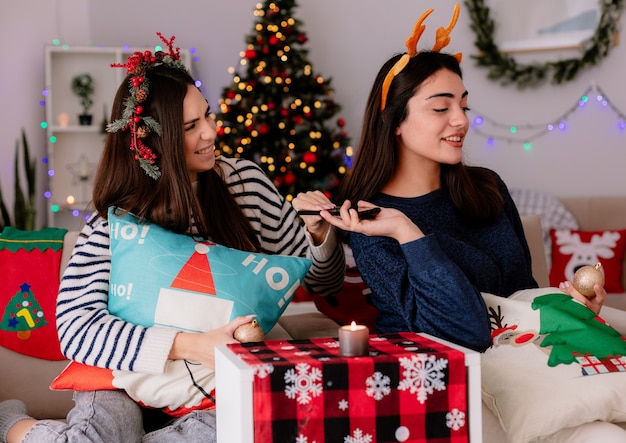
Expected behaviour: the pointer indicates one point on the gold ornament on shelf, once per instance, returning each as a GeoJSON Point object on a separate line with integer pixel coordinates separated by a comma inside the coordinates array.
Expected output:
{"type": "Point", "coordinates": [250, 332]}
{"type": "Point", "coordinates": [586, 277]}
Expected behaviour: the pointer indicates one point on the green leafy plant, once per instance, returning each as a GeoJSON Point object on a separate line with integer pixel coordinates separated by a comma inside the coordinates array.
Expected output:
{"type": "Point", "coordinates": [24, 203]}
{"type": "Point", "coordinates": [83, 87]}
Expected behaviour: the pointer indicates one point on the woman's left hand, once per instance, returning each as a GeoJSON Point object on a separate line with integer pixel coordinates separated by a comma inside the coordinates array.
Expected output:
{"type": "Point", "coordinates": [388, 222]}
{"type": "Point", "coordinates": [594, 302]}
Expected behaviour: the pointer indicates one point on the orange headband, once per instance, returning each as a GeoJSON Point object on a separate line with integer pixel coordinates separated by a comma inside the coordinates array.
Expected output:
{"type": "Point", "coordinates": [442, 40]}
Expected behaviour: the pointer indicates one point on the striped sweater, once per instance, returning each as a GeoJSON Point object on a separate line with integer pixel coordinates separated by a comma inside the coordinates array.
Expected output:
{"type": "Point", "coordinates": [89, 334]}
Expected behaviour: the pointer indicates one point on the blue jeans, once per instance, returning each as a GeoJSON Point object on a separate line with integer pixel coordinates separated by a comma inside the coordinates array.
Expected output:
{"type": "Point", "coordinates": [112, 416]}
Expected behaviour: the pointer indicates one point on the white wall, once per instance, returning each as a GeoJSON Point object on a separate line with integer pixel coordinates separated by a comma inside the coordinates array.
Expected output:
{"type": "Point", "coordinates": [348, 41]}
{"type": "Point", "coordinates": [26, 28]}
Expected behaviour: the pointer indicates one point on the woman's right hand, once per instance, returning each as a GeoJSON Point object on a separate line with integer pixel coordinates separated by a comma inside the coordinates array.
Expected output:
{"type": "Point", "coordinates": [200, 347]}
{"type": "Point", "coordinates": [387, 223]}
{"type": "Point", "coordinates": [315, 224]}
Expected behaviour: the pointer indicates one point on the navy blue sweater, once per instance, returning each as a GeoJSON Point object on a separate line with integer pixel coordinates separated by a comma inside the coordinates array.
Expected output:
{"type": "Point", "coordinates": [433, 284]}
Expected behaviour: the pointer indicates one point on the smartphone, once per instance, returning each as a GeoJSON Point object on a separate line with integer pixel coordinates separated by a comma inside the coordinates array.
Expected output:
{"type": "Point", "coordinates": [366, 214]}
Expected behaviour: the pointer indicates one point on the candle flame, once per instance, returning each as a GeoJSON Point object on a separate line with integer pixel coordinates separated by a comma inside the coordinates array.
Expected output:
{"type": "Point", "coordinates": [353, 326]}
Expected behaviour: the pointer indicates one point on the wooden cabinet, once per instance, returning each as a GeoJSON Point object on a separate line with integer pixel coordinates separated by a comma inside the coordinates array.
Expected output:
{"type": "Point", "coordinates": [73, 150]}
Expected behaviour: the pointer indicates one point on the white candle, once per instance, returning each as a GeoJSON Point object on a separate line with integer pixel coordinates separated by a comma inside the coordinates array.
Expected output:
{"type": "Point", "coordinates": [353, 340]}
{"type": "Point", "coordinates": [64, 119]}
{"type": "Point", "coordinates": [83, 172]}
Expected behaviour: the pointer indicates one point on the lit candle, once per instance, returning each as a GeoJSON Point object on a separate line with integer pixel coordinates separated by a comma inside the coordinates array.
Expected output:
{"type": "Point", "coordinates": [353, 340]}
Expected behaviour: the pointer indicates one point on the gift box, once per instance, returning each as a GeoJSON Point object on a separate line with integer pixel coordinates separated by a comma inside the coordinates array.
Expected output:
{"type": "Point", "coordinates": [410, 388]}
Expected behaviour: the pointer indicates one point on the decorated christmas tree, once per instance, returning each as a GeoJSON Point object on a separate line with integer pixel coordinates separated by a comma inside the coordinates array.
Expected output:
{"type": "Point", "coordinates": [279, 113]}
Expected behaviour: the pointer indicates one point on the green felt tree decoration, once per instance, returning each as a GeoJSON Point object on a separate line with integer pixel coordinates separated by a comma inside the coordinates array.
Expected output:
{"type": "Point", "coordinates": [23, 313]}
{"type": "Point", "coordinates": [277, 111]}
{"type": "Point", "coordinates": [572, 329]}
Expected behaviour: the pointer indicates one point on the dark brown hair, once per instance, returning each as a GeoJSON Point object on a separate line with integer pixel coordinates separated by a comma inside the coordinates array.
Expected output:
{"type": "Point", "coordinates": [474, 191]}
{"type": "Point", "coordinates": [170, 201]}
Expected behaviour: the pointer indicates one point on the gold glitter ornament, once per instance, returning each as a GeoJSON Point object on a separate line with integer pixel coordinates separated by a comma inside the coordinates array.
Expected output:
{"type": "Point", "coordinates": [586, 277]}
{"type": "Point", "coordinates": [250, 332]}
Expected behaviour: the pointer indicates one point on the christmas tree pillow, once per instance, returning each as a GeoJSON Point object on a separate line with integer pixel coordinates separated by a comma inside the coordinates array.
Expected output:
{"type": "Point", "coordinates": [572, 249]}
{"type": "Point", "coordinates": [553, 364]}
{"type": "Point", "coordinates": [29, 284]}
{"type": "Point", "coordinates": [171, 280]}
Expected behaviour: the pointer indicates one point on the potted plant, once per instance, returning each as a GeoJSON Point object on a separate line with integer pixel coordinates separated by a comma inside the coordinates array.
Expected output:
{"type": "Point", "coordinates": [24, 203]}
{"type": "Point", "coordinates": [82, 86]}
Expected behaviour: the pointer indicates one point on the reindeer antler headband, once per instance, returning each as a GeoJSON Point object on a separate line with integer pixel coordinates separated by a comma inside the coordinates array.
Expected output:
{"type": "Point", "coordinates": [132, 119]}
{"type": "Point", "coordinates": [442, 40]}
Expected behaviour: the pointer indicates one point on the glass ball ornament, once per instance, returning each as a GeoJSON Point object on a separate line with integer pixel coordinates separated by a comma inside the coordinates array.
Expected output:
{"type": "Point", "coordinates": [249, 332]}
{"type": "Point", "coordinates": [586, 277]}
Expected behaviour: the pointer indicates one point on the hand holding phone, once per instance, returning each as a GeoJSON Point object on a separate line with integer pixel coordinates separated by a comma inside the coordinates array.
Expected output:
{"type": "Point", "coordinates": [366, 214]}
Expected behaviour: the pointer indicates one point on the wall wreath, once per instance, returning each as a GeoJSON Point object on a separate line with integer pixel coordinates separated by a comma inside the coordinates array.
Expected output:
{"type": "Point", "coordinates": [504, 68]}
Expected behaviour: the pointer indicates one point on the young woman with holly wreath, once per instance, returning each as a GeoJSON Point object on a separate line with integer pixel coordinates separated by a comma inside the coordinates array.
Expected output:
{"type": "Point", "coordinates": [171, 177]}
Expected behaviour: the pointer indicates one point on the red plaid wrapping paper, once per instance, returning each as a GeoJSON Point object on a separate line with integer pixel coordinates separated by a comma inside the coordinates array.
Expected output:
{"type": "Point", "coordinates": [409, 389]}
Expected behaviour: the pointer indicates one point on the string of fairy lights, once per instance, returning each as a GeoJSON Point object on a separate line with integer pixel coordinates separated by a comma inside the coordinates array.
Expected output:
{"type": "Point", "coordinates": [82, 170]}
{"type": "Point", "coordinates": [527, 133]}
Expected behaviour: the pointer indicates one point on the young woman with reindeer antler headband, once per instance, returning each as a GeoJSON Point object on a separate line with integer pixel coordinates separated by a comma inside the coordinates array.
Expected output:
{"type": "Point", "coordinates": [446, 231]}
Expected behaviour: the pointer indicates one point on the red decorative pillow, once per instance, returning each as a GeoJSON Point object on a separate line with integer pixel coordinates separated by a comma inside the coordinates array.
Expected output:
{"type": "Point", "coordinates": [572, 249]}
{"type": "Point", "coordinates": [29, 284]}
{"type": "Point", "coordinates": [353, 303]}
{"type": "Point", "coordinates": [79, 377]}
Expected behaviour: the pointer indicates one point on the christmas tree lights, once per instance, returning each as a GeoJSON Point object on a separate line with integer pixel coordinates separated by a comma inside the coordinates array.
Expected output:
{"type": "Point", "coordinates": [275, 111]}
{"type": "Point", "coordinates": [526, 133]}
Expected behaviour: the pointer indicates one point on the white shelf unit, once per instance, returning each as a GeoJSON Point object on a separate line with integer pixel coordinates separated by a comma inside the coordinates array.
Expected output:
{"type": "Point", "coordinates": [74, 150]}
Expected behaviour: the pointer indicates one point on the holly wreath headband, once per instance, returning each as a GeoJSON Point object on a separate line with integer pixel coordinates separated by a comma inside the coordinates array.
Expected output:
{"type": "Point", "coordinates": [139, 125]}
{"type": "Point", "coordinates": [442, 40]}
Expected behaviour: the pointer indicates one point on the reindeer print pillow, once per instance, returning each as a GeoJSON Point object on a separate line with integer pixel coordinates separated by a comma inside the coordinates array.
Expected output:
{"type": "Point", "coordinates": [553, 364]}
{"type": "Point", "coordinates": [572, 249]}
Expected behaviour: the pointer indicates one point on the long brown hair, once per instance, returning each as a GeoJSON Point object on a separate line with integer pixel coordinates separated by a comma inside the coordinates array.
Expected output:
{"type": "Point", "coordinates": [473, 191]}
{"type": "Point", "coordinates": [170, 201]}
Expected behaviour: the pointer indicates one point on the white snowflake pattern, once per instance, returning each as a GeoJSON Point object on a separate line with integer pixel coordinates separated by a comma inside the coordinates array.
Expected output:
{"type": "Point", "coordinates": [301, 353]}
{"type": "Point", "coordinates": [455, 419]}
{"type": "Point", "coordinates": [332, 344]}
{"type": "Point", "coordinates": [422, 375]}
{"type": "Point", "coordinates": [378, 385]}
{"type": "Point", "coordinates": [343, 404]}
{"type": "Point", "coordinates": [263, 370]}
{"type": "Point", "coordinates": [358, 437]}
{"type": "Point", "coordinates": [303, 383]}
{"type": "Point", "coordinates": [303, 439]}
